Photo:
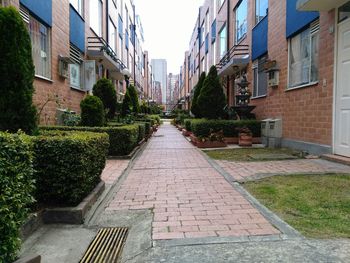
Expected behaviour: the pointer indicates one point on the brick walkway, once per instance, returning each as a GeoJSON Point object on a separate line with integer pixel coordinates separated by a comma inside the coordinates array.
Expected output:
{"type": "Point", "coordinates": [243, 171]}
{"type": "Point", "coordinates": [113, 170]}
{"type": "Point", "coordinates": [188, 197]}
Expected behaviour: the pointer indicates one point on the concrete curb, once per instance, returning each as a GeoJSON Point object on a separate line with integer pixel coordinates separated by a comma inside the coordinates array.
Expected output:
{"type": "Point", "coordinates": [73, 215]}
{"type": "Point", "coordinates": [29, 259]}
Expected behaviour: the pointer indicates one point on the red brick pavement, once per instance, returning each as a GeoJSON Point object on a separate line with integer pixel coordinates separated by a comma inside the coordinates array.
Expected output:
{"type": "Point", "coordinates": [188, 197]}
{"type": "Point", "coordinates": [113, 170]}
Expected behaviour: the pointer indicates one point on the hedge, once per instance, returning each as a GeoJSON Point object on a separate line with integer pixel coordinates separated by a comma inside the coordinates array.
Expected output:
{"type": "Point", "coordinates": [122, 140]}
{"type": "Point", "coordinates": [154, 117]}
{"type": "Point", "coordinates": [188, 124]}
{"type": "Point", "coordinates": [16, 191]}
{"type": "Point", "coordinates": [147, 125]}
{"type": "Point", "coordinates": [202, 127]}
{"type": "Point", "coordinates": [142, 131]}
{"type": "Point", "coordinates": [68, 165]}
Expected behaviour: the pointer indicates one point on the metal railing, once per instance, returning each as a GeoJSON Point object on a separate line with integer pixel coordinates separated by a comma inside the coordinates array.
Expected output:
{"type": "Point", "coordinates": [98, 43]}
{"type": "Point", "coordinates": [235, 51]}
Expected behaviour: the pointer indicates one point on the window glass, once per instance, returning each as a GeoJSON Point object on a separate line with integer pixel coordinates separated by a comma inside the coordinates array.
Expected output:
{"type": "Point", "coordinates": [303, 57]}
{"type": "Point", "coordinates": [78, 5]}
{"type": "Point", "coordinates": [111, 34]}
{"type": "Point", "coordinates": [344, 12]}
{"type": "Point", "coordinates": [260, 78]}
{"type": "Point", "coordinates": [223, 41]}
{"type": "Point", "coordinates": [241, 20]}
{"type": "Point", "coordinates": [41, 50]}
{"type": "Point", "coordinates": [74, 75]}
{"type": "Point", "coordinates": [96, 16]}
{"type": "Point", "coordinates": [261, 7]}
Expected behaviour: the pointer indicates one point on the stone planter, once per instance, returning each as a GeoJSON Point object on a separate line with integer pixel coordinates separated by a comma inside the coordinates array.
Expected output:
{"type": "Point", "coordinates": [186, 132]}
{"type": "Point", "coordinates": [245, 140]}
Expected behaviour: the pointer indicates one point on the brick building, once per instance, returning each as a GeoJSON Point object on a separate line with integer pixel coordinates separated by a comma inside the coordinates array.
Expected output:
{"type": "Point", "coordinates": [294, 54]}
{"type": "Point", "coordinates": [76, 42]}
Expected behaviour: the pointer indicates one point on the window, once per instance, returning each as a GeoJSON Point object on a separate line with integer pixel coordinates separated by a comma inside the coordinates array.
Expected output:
{"type": "Point", "coordinates": [214, 53]}
{"type": "Point", "coordinates": [223, 41]}
{"type": "Point", "coordinates": [78, 6]}
{"type": "Point", "coordinates": [120, 48]}
{"type": "Point", "coordinates": [111, 34]}
{"type": "Point", "coordinates": [201, 35]}
{"type": "Point", "coordinates": [261, 7]}
{"type": "Point", "coordinates": [207, 22]}
{"type": "Point", "coordinates": [96, 16]}
{"type": "Point", "coordinates": [260, 78]}
{"type": "Point", "coordinates": [75, 69]}
{"type": "Point", "coordinates": [303, 56]}
{"type": "Point", "coordinates": [41, 47]}
{"type": "Point", "coordinates": [241, 20]}
{"type": "Point", "coordinates": [344, 12]}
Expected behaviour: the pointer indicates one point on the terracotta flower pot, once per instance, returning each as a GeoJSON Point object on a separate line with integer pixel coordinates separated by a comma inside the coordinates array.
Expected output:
{"type": "Point", "coordinates": [245, 139]}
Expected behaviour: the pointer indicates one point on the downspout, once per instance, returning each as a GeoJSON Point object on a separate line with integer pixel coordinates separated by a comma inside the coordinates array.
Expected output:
{"type": "Point", "coordinates": [228, 48]}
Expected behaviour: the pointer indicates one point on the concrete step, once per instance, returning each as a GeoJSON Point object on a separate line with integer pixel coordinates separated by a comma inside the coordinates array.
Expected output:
{"type": "Point", "coordinates": [336, 158]}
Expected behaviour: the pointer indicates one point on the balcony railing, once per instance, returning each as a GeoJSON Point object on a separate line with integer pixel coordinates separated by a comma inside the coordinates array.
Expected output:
{"type": "Point", "coordinates": [237, 51]}
{"type": "Point", "coordinates": [99, 44]}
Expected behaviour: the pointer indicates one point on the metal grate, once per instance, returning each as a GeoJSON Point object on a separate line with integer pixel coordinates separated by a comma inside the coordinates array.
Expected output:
{"type": "Point", "coordinates": [24, 14]}
{"type": "Point", "coordinates": [106, 246]}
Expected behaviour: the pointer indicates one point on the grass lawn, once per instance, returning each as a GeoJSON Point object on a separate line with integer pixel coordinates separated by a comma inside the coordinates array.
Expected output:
{"type": "Point", "coordinates": [243, 154]}
{"type": "Point", "coordinates": [316, 205]}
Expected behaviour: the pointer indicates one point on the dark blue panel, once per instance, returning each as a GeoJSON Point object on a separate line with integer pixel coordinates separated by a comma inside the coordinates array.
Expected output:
{"type": "Point", "coordinates": [126, 39]}
{"type": "Point", "coordinates": [297, 20]}
{"type": "Point", "coordinates": [40, 8]}
{"type": "Point", "coordinates": [206, 44]}
{"type": "Point", "coordinates": [213, 31]}
{"type": "Point", "coordinates": [76, 30]}
{"type": "Point", "coordinates": [120, 26]}
{"type": "Point", "coordinates": [259, 38]}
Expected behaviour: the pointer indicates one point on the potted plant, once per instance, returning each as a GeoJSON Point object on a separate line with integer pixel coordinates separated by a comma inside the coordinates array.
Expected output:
{"type": "Point", "coordinates": [245, 137]}
{"type": "Point", "coordinates": [214, 140]}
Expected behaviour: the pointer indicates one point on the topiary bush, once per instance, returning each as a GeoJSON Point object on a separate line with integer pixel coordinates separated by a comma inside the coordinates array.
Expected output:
{"type": "Point", "coordinates": [68, 165]}
{"type": "Point", "coordinates": [16, 74]}
{"type": "Point", "coordinates": [197, 90]}
{"type": "Point", "coordinates": [122, 139]}
{"type": "Point", "coordinates": [154, 117]}
{"type": "Point", "coordinates": [16, 191]}
{"type": "Point", "coordinates": [142, 131]}
{"type": "Point", "coordinates": [92, 112]}
{"type": "Point", "coordinates": [188, 123]}
{"type": "Point", "coordinates": [135, 106]}
{"type": "Point", "coordinates": [106, 92]}
{"type": "Point", "coordinates": [212, 100]}
{"type": "Point", "coordinates": [127, 104]}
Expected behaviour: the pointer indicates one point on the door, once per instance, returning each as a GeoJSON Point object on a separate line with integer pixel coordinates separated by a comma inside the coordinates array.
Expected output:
{"type": "Point", "coordinates": [342, 106]}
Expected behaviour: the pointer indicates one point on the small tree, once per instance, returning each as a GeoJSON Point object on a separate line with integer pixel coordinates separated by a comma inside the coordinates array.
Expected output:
{"type": "Point", "coordinates": [126, 105]}
{"type": "Point", "coordinates": [134, 99]}
{"type": "Point", "coordinates": [105, 91]}
{"type": "Point", "coordinates": [92, 112]}
{"type": "Point", "coordinates": [212, 100]}
{"type": "Point", "coordinates": [197, 90]}
{"type": "Point", "coordinates": [16, 74]}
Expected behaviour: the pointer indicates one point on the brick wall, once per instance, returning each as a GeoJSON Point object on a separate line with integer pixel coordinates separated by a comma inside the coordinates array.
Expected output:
{"type": "Point", "coordinates": [306, 112]}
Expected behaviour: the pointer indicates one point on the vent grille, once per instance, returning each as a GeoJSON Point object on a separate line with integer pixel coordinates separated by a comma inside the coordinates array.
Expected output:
{"type": "Point", "coordinates": [75, 55]}
{"type": "Point", "coordinates": [24, 14]}
{"type": "Point", "coordinates": [106, 246]}
{"type": "Point", "coordinates": [315, 26]}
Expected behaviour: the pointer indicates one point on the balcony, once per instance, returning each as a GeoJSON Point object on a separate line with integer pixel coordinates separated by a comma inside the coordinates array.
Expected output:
{"type": "Point", "coordinates": [318, 5]}
{"type": "Point", "coordinates": [236, 59]}
{"type": "Point", "coordinates": [99, 50]}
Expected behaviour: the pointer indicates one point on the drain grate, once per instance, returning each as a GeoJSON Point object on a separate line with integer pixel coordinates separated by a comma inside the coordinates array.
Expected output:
{"type": "Point", "coordinates": [106, 246]}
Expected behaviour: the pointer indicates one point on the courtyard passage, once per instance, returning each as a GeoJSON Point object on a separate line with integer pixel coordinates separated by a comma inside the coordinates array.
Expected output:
{"type": "Point", "coordinates": [188, 196]}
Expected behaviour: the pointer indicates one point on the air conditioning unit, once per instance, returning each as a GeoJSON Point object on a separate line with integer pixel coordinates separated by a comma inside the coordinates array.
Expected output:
{"type": "Point", "coordinates": [63, 69]}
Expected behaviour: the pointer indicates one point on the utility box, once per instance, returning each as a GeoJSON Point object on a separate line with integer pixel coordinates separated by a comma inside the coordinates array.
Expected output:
{"type": "Point", "coordinates": [265, 131]}
{"type": "Point", "coordinates": [275, 133]}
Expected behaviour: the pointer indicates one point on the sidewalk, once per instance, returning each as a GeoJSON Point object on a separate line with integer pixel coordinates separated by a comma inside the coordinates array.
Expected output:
{"type": "Point", "coordinates": [189, 198]}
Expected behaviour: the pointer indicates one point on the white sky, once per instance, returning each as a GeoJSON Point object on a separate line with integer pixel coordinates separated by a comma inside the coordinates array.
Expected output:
{"type": "Point", "coordinates": [168, 27]}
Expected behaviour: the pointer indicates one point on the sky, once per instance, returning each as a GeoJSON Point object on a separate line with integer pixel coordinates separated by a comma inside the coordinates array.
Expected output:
{"type": "Point", "coordinates": [168, 26]}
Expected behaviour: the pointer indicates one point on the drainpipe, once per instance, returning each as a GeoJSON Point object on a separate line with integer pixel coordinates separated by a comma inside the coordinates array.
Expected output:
{"type": "Point", "coordinates": [228, 48]}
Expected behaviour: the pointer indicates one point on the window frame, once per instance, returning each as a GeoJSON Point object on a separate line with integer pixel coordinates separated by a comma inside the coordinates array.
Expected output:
{"type": "Point", "coordinates": [311, 34]}
{"type": "Point", "coordinates": [98, 31]}
{"type": "Point", "coordinates": [256, 67]}
{"type": "Point", "coordinates": [80, 8]}
{"type": "Point", "coordinates": [223, 28]}
{"type": "Point", "coordinates": [257, 8]}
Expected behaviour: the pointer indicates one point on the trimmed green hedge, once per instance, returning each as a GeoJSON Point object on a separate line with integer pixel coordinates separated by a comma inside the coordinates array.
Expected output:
{"type": "Point", "coordinates": [68, 165]}
{"type": "Point", "coordinates": [122, 140]}
{"type": "Point", "coordinates": [156, 118]}
{"type": "Point", "coordinates": [16, 189]}
{"type": "Point", "coordinates": [202, 127]}
{"type": "Point", "coordinates": [188, 124]}
{"type": "Point", "coordinates": [147, 125]}
{"type": "Point", "coordinates": [142, 131]}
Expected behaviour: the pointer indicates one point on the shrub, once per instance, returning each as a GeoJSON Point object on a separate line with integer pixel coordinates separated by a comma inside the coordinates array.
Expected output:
{"type": "Point", "coordinates": [203, 128]}
{"type": "Point", "coordinates": [134, 99]}
{"type": "Point", "coordinates": [211, 100]}
{"type": "Point", "coordinates": [16, 189]}
{"type": "Point", "coordinates": [126, 105]}
{"type": "Point", "coordinates": [197, 90]}
{"type": "Point", "coordinates": [122, 140]}
{"type": "Point", "coordinates": [16, 74]}
{"type": "Point", "coordinates": [105, 91]}
{"type": "Point", "coordinates": [180, 118]}
{"type": "Point", "coordinates": [92, 112]}
{"type": "Point", "coordinates": [147, 125]}
{"type": "Point", "coordinates": [154, 117]}
{"type": "Point", "coordinates": [188, 123]}
{"type": "Point", "coordinates": [142, 131]}
{"type": "Point", "coordinates": [68, 165]}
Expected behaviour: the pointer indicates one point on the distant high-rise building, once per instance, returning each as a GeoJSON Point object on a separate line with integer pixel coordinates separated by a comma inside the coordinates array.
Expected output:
{"type": "Point", "coordinates": [172, 91]}
{"type": "Point", "coordinates": [160, 72]}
